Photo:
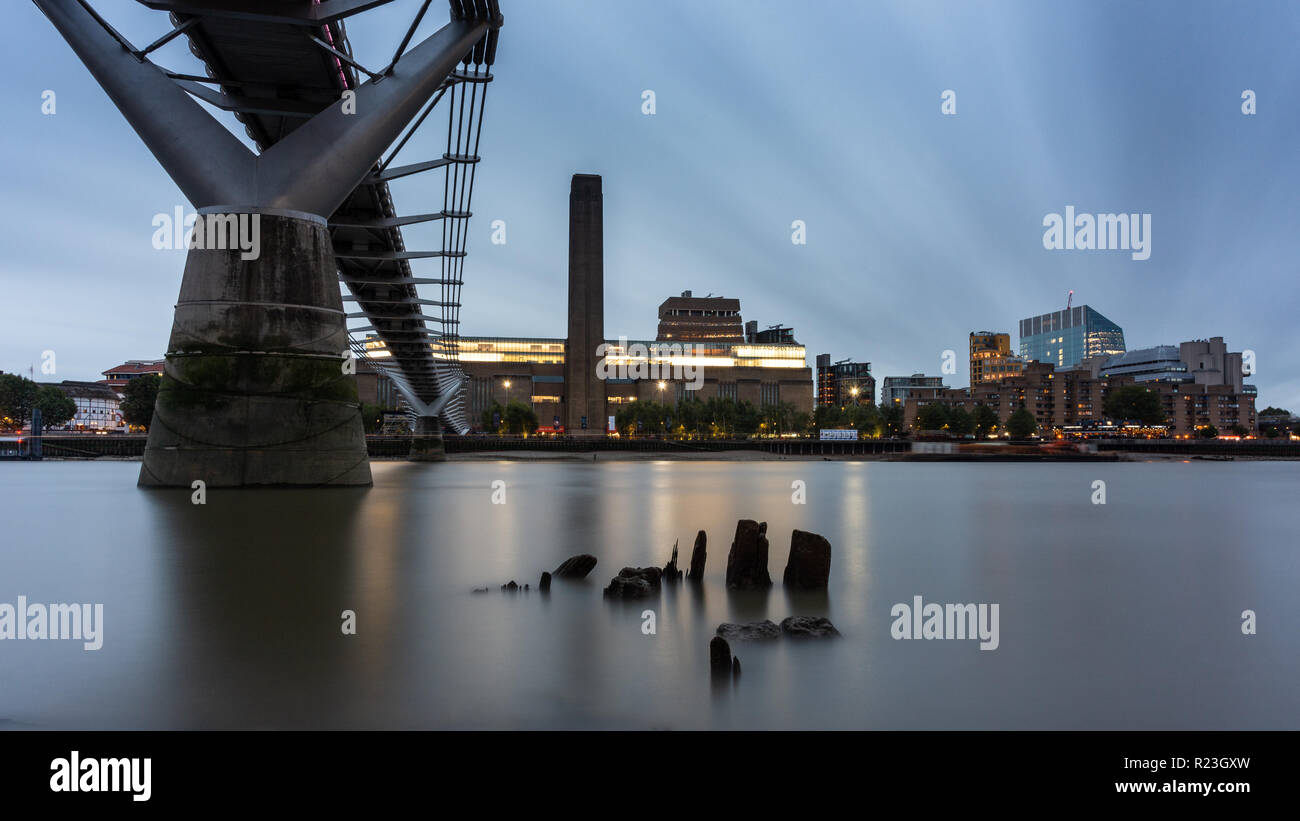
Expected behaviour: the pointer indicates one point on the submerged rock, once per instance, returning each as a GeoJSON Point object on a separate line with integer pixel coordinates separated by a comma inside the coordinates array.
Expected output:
{"type": "Point", "coordinates": [753, 631]}
{"type": "Point", "coordinates": [545, 584]}
{"type": "Point", "coordinates": [719, 656]}
{"type": "Point", "coordinates": [808, 627]}
{"type": "Point", "coordinates": [634, 583]}
{"type": "Point", "coordinates": [809, 565]}
{"type": "Point", "coordinates": [576, 567]}
{"type": "Point", "coordinates": [747, 561]}
{"type": "Point", "coordinates": [480, 590]}
{"type": "Point", "coordinates": [698, 556]}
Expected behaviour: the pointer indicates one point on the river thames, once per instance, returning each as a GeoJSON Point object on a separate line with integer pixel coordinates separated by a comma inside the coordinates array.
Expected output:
{"type": "Point", "coordinates": [1126, 615]}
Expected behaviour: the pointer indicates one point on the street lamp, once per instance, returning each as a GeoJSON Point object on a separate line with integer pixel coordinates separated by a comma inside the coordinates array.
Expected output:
{"type": "Point", "coordinates": [663, 422]}
{"type": "Point", "coordinates": [507, 384]}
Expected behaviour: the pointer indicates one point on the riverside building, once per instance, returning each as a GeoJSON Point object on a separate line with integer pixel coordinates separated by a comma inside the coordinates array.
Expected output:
{"type": "Point", "coordinates": [844, 383]}
{"type": "Point", "coordinates": [1065, 338]}
{"type": "Point", "coordinates": [1200, 382]}
{"type": "Point", "coordinates": [898, 389]}
{"type": "Point", "coordinates": [991, 358]}
{"type": "Point", "coordinates": [98, 407]}
{"type": "Point", "coordinates": [560, 377]}
{"type": "Point", "coordinates": [1202, 387]}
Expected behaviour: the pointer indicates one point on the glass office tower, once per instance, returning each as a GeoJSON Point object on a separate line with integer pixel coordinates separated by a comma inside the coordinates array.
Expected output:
{"type": "Point", "coordinates": [1065, 338]}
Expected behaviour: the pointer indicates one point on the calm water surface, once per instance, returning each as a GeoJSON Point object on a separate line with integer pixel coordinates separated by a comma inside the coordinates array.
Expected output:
{"type": "Point", "coordinates": [1126, 615]}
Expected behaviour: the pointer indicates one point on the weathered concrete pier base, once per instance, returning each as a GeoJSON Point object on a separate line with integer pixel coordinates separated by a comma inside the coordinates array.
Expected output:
{"type": "Point", "coordinates": [427, 445]}
{"type": "Point", "coordinates": [255, 391]}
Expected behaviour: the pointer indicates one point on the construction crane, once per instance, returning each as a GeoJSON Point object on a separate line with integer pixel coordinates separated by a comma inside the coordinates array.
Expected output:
{"type": "Point", "coordinates": [1069, 300]}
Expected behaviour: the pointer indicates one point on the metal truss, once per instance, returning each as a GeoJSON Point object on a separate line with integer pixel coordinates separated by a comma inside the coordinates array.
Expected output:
{"type": "Point", "coordinates": [314, 157]}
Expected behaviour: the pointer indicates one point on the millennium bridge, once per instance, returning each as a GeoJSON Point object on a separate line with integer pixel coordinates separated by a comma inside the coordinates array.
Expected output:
{"type": "Point", "coordinates": [259, 387]}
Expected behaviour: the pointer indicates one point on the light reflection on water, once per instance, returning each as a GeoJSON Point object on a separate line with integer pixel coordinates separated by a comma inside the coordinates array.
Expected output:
{"type": "Point", "coordinates": [227, 615]}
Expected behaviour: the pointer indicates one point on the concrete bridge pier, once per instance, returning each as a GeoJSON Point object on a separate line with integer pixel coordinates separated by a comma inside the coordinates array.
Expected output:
{"type": "Point", "coordinates": [254, 391]}
{"type": "Point", "coordinates": [427, 444]}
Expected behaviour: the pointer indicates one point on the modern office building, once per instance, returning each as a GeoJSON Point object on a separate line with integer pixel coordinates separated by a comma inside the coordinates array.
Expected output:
{"type": "Point", "coordinates": [898, 389]}
{"type": "Point", "coordinates": [1066, 338]}
{"type": "Point", "coordinates": [1158, 363]}
{"type": "Point", "coordinates": [991, 358]}
{"type": "Point", "coordinates": [844, 383]}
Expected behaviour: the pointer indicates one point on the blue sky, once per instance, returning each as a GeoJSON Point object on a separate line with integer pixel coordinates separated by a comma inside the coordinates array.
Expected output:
{"type": "Point", "coordinates": [920, 227]}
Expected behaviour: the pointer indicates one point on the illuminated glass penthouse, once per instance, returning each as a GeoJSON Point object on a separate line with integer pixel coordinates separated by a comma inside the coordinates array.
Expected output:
{"type": "Point", "coordinates": [1066, 338]}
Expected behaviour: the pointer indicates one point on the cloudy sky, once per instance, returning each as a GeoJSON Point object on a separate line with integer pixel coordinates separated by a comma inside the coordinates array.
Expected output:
{"type": "Point", "coordinates": [921, 227]}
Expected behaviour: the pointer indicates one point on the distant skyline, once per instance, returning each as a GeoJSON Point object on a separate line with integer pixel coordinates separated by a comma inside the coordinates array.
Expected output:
{"type": "Point", "coordinates": [921, 227]}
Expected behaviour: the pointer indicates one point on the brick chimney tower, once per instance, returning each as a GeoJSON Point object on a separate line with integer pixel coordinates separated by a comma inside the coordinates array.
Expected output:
{"type": "Point", "coordinates": [584, 394]}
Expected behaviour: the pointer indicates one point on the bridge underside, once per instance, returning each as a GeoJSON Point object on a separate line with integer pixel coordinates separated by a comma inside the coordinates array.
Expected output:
{"type": "Point", "coordinates": [257, 388]}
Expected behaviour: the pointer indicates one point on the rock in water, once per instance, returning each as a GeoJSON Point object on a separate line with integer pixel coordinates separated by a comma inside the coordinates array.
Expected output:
{"type": "Point", "coordinates": [808, 627]}
{"type": "Point", "coordinates": [747, 561]}
{"type": "Point", "coordinates": [719, 656]}
{"type": "Point", "coordinates": [576, 567]}
{"type": "Point", "coordinates": [545, 584]}
{"type": "Point", "coordinates": [809, 565]}
{"type": "Point", "coordinates": [735, 667]}
{"type": "Point", "coordinates": [671, 573]}
{"type": "Point", "coordinates": [754, 631]}
{"type": "Point", "coordinates": [634, 583]}
{"type": "Point", "coordinates": [512, 586]}
{"type": "Point", "coordinates": [697, 557]}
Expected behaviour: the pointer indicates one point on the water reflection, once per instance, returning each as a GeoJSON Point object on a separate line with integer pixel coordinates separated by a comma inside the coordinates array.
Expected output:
{"type": "Point", "coordinates": [228, 614]}
{"type": "Point", "coordinates": [257, 583]}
